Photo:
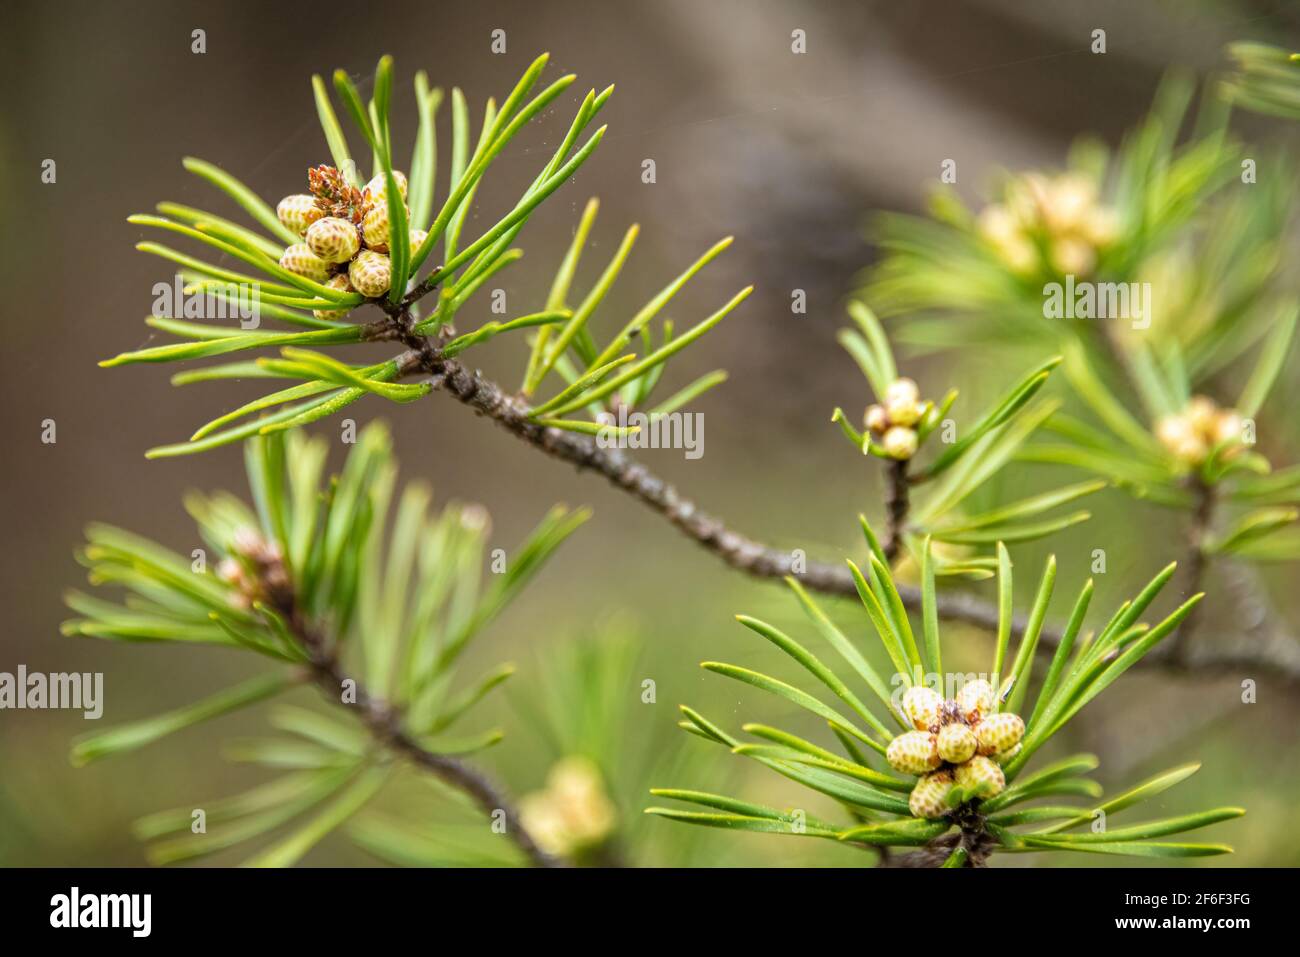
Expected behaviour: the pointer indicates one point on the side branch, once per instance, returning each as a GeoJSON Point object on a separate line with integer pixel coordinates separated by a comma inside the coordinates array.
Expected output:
{"type": "Point", "coordinates": [385, 725]}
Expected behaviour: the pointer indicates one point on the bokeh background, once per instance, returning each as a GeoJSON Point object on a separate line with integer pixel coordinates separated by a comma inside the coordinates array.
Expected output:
{"type": "Point", "coordinates": [788, 153]}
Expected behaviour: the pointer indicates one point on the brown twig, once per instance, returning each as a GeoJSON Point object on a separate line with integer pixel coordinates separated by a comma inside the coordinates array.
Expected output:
{"type": "Point", "coordinates": [1194, 567]}
{"type": "Point", "coordinates": [469, 387]}
{"type": "Point", "coordinates": [385, 723]}
{"type": "Point", "coordinates": [971, 837]}
{"type": "Point", "coordinates": [896, 507]}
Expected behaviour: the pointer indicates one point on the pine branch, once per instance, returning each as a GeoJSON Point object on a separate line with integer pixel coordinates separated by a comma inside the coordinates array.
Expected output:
{"type": "Point", "coordinates": [1280, 658]}
{"type": "Point", "coordinates": [385, 724]}
{"type": "Point", "coordinates": [959, 759]}
{"type": "Point", "coordinates": [328, 385]}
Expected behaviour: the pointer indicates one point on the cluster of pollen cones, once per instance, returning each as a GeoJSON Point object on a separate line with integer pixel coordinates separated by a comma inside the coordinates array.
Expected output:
{"type": "Point", "coordinates": [345, 234]}
{"type": "Point", "coordinates": [893, 424]}
{"type": "Point", "coordinates": [959, 742]}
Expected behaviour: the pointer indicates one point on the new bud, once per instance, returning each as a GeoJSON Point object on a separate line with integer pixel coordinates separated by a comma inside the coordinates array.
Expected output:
{"type": "Point", "coordinates": [975, 699]}
{"type": "Point", "coordinates": [929, 799]}
{"type": "Point", "coordinates": [913, 752]}
{"type": "Point", "coordinates": [333, 240]}
{"type": "Point", "coordinates": [957, 742]}
{"type": "Point", "coordinates": [922, 706]}
{"type": "Point", "coordinates": [902, 391]}
{"type": "Point", "coordinates": [981, 776]}
{"type": "Point", "coordinates": [904, 413]}
{"type": "Point", "coordinates": [374, 228]}
{"type": "Point", "coordinates": [1228, 427]}
{"type": "Point", "coordinates": [377, 189]}
{"type": "Point", "coordinates": [876, 419]}
{"type": "Point", "coordinates": [1002, 757]}
{"type": "Point", "coordinates": [999, 732]}
{"type": "Point", "coordinates": [297, 212]}
{"type": "Point", "coordinates": [301, 261]}
{"type": "Point", "coordinates": [899, 442]}
{"type": "Point", "coordinates": [341, 283]}
{"type": "Point", "coordinates": [371, 273]}
{"type": "Point", "coordinates": [903, 402]}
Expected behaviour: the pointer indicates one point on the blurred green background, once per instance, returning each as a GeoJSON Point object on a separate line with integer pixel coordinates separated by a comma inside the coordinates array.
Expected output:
{"type": "Point", "coordinates": [788, 153]}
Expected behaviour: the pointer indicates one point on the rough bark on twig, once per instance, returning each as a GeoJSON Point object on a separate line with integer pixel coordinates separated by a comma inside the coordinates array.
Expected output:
{"type": "Point", "coordinates": [385, 723]}
{"type": "Point", "coordinates": [1279, 656]}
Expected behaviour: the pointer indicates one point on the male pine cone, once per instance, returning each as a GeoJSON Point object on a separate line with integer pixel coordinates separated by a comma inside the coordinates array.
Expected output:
{"type": "Point", "coordinates": [959, 742]}
{"type": "Point", "coordinates": [346, 233]}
